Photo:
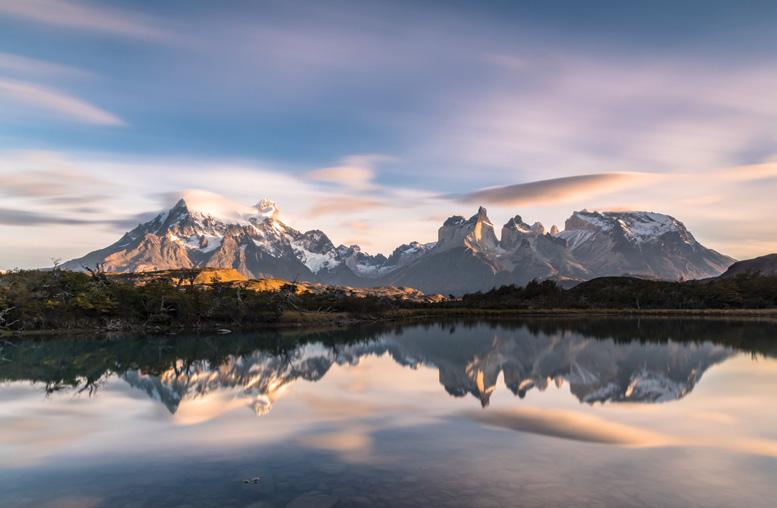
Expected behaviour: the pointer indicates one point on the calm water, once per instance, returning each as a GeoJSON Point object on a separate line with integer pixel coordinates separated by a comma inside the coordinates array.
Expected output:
{"type": "Point", "coordinates": [535, 413]}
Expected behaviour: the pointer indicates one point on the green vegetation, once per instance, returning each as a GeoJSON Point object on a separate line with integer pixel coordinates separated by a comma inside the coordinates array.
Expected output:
{"type": "Point", "coordinates": [189, 299]}
{"type": "Point", "coordinates": [60, 299]}
{"type": "Point", "coordinates": [746, 291]}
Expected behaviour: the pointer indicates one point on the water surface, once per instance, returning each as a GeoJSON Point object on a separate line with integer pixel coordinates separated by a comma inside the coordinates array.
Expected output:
{"type": "Point", "coordinates": [534, 413]}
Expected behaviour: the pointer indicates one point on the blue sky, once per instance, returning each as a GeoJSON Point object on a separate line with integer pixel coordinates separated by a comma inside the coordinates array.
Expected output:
{"type": "Point", "coordinates": [375, 120]}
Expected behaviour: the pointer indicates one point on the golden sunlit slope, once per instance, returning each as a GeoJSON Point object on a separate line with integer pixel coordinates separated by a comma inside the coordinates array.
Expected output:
{"type": "Point", "coordinates": [210, 276]}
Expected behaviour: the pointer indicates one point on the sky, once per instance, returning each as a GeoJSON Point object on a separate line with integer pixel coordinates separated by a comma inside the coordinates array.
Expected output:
{"type": "Point", "coordinates": [374, 121]}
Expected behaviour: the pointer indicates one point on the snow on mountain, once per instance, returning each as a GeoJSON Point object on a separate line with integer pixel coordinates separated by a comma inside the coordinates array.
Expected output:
{"type": "Point", "coordinates": [205, 229]}
{"type": "Point", "coordinates": [637, 226]}
{"type": "Point", "coordinates": [639, 243]}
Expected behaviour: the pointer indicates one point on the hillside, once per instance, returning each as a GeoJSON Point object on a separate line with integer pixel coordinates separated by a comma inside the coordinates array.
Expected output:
{"type": "Point", "coordinates": [764, 265]}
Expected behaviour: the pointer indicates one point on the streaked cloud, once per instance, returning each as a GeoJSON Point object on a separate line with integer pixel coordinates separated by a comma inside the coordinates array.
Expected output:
{"type": "Point", "coordinates": [341, 205]}
{"type": "Point", "coordinates": [50, 190]}
{"type": "Point", "coordinates": [18, 217]}
{"type": "Point", "coordinates": [56, 185]}
{"type": "Point", "coordinates": [82, 16]}
{"type": "Point", "coordinates": [555, 190]}
{"type": "Point", "coordinates": [355, 171]}
{"type": "Point", "coordinates": [12, 217]}
{"type": "Point", "coordinates": [581, 114]}
{"type": "Point", "coordinates": [27, 65]}
{"type": "Point", "coordinates": [750, 173]}
{"type": "Point", "coordinates": [53, 101]}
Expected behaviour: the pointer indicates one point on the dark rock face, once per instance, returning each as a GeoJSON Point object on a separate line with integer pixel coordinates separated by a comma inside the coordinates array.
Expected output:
{"type": "Point", "coordinates": [467, 256]}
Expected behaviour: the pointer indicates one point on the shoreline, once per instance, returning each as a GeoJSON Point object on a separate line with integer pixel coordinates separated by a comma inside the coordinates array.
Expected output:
{"type": "Point", "coordinates": [302, 319]}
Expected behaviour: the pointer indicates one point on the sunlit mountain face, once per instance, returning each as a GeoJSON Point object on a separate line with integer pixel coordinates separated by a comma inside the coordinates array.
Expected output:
{"type": "Point", "coordinates": [637, 364]}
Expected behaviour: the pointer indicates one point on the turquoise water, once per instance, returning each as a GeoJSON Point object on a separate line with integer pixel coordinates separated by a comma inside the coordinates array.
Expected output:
{"type": "Point", "coordinates": [534, 413]}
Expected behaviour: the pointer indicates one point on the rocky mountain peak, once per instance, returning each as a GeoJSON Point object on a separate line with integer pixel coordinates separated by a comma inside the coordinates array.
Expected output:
{"type": "Point", "coordinates": [482, 215]}
{"type": "Point", "coordinates": [517, 224]}
{"type": "Point", "coordinates": [204, 229]}
{"type": "Point", "coordinates": [515, 230]}
{"type": "Point", "coordinates": [476, 233]}
{"type": "Point", "coordinates": [454, 220]}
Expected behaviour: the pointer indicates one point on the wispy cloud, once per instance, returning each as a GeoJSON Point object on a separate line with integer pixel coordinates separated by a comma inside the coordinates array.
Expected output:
{"type": "Point", "coordinates": [50, 183]}
{"type": "Point", "coordinates": [54, 101]}
{"type": "Point", "coordinates": [81, 16]}
{"type": "Point", "coordinates": [342, 205]}
{"type": "Point", "coordinates": [355, 171]}
{"type": "Point", "coordinates": [749, 173]}
{"type": "Point", "coordinates": [14, 217]}
{"type": "Point", "coordinates": [555, 190]}
{"type": "Point", "coordinates": [584, 114]}
{"type": "Point", "coordinates": [725, 209]}
{"type": "Point", "coordinates": [27, 65]}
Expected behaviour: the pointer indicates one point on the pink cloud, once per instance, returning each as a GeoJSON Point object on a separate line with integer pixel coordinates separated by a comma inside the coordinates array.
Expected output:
{"type": "Point", "coordinates": [355, 171]}
{"type": "Point", "coordinates": [54, 101]}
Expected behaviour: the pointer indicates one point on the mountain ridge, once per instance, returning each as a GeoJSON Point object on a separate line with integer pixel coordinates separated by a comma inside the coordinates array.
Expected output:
{"type": "Point", "coordinates": [204, 229]}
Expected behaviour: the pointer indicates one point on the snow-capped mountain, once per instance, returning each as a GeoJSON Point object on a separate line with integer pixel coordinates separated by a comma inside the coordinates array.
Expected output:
{"type": "Point", "coordinates": [641, 243]}
{"type": "Point", "coordinates": [203, 229]}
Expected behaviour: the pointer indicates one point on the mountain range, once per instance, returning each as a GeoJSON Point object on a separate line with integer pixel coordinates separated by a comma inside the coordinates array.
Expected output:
{"type": "Point", "coordinates": [467, 256]}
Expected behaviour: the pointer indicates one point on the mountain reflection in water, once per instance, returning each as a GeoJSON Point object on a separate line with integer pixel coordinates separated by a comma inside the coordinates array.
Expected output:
{"type": "Point", "coordinates": [648, 361]}
{"type": "Point", "coordinates": [576, 412]}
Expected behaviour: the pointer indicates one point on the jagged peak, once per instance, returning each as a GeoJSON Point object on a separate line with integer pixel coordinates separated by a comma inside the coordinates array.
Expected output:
{"type": "Point", "coordinates": [481, 216]}
{"type": "Point", "coordinates": [517, 224]}
{"type": "Point", "coordinates": [458, 220]}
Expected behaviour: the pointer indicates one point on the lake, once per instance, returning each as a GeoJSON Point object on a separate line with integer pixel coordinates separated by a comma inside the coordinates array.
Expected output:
{"type": "Point", "coordinates": [543, 412]}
